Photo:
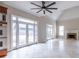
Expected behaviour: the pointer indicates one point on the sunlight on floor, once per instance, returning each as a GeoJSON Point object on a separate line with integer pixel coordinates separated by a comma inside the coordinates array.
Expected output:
{"type": "Point", "coordinates": [50, 49]}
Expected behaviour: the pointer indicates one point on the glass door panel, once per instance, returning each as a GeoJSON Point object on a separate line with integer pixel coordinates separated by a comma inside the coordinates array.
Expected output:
{"type": "Point", "coordinates": [22, 34]}
{"type": "Point", "coordinates": [13, 34]}
{"type": "Point", "coordinates": [30, 33]}
{"type": "Point", "coordinates": [36, 33]}
{"type": "Point", "coordinates": [49, 31]}
{"type": "Point", "coordinates": [49, 34]}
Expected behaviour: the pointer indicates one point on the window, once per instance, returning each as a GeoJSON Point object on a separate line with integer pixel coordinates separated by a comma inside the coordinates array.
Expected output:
{"type": "Point", "coordinates": [61, 30]}
{"type": "Point", "coordinates": [24, 31]}
{"type": "Point", "coordinates": [49, 31]}
{"type": "Point", "coordinates": [25, 20]}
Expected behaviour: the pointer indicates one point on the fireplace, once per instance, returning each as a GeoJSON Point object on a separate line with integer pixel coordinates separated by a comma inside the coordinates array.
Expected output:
{"type": "Point", "coordinates": [71, 35]}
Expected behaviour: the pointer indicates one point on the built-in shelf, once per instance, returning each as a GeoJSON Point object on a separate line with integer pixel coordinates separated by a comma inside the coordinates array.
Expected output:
{"type": "Point", "coordinates": [3, 9]}
{"type": "Point", "coordinates": [2, 37]}
{"type": "Point", "coordinates": [3, 26]}
{"type": "Point", "coordinates": [3, 22]}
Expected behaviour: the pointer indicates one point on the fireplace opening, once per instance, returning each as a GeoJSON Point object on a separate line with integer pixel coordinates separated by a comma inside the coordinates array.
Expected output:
{"type": "Point", "coordinates": [71, 36]}
{"type": "Point", "coordinates": [1, 44]}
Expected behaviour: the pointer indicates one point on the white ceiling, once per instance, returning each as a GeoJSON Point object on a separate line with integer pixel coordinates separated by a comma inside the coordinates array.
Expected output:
{"type": "Point", "coordinates": [26, 6]}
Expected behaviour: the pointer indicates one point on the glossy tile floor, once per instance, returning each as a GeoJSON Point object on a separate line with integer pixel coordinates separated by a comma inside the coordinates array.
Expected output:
{"type": "Point", "coordinates": [51, 49]}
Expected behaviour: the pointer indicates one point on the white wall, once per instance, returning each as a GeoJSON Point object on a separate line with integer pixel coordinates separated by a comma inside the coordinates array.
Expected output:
{"type": "Point", "coordinates": [42, 27]}
{"type": "Point", "coordinates": [42, 21]}
{"type": "Point", "coordinates": [70, 13]}
{"type": "Point", "coordinates": [69, 19]}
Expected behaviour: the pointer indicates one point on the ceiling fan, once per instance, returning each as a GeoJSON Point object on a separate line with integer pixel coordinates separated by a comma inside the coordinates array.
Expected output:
{"type": "Point", "coordinates": [43, 7]}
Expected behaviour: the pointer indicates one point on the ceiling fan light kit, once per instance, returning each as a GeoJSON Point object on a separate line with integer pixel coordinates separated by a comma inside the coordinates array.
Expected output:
{"type": "Point", "coordinates": [43, 7]}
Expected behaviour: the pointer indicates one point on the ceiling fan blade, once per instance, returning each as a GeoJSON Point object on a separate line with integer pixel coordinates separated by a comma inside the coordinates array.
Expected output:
{"type": "Point", "coordinates": [39, 11]}
{"type": "Point", "coordinates": [49, 11]}
{"type": "Point", "coordinates": [43, 4]}
{"type": "Point", "coordinates": [44, 11]}
{"type": "Point", "coordinates": [35, 4]}
{"type": "Point", "coordinates": [53, 8]}
{"type": "Point", "coordinates": [51, 4]}
{"type": "Point", "coordinates": [35, 8]}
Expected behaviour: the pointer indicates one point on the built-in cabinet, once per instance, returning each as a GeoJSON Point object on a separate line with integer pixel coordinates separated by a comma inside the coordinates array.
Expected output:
{"type": "Point", "coordinates": [3, 31]}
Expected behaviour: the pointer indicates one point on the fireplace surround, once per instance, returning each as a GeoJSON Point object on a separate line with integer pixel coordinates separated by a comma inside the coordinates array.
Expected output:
{"type": "Point", "coordinates": [71, 34]}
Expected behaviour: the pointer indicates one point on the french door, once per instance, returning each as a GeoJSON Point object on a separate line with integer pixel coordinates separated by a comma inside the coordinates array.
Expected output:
{"type": "Point", "coordinates": [13, 34]}
{"type": "Point", "coordinates": [49, 31]}
{"type": "Point", "coordinates": [30, 33]}
{"type": "Point", "coordinates": [23, 33]}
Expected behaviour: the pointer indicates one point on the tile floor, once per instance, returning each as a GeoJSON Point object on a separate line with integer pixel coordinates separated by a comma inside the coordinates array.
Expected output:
{"type": "Point", "coordinates": [51, 49]}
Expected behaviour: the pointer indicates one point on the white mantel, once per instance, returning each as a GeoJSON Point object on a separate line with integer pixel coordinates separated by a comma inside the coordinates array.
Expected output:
{"type": "Point", "coordinates": [71, 31]}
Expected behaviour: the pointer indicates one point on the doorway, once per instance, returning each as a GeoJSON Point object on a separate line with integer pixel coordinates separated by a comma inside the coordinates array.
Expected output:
{"type": "Point", "coordinates": [24, 32]}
